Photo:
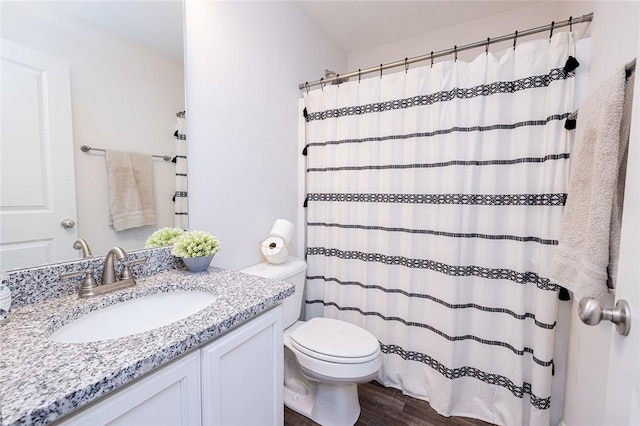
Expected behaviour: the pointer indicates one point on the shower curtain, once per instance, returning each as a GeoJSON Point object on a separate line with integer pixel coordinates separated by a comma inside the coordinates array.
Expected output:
{"type": "Point", "coordinates": [434, 198]}
{"type": "Point", "coordinates": [181, 205]}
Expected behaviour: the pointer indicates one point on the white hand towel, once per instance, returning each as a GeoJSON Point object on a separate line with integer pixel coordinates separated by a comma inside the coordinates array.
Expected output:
{"type": "Point", "coordinates": [586, 236]}
{"type": "Point", "coordinates": [618, 196]}
{"type": "Point", "coordinates": [131, 197]}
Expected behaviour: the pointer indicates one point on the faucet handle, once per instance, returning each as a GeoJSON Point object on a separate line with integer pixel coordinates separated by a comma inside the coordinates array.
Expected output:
{"type": "Point", "coordinates": [138, 261]}
{"type": "Point", "coordinates": [74, 274]}
{"type": "Point", "coordinates": [88, 284]}
{"type": "Point", "coordinates": [126, 271]}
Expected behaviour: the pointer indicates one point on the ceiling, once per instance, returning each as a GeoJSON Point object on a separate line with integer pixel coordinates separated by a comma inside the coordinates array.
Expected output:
{"type": "Point", "coordinates": [353, 25]}
{"type": "Point", "coordinates": [361, 25]}
{"type": "Point", "coordinates": [151, 23]}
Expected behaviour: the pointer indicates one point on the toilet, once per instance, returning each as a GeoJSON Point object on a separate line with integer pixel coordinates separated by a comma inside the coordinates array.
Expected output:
{"type": "Point", "coordinates": [325, 358]}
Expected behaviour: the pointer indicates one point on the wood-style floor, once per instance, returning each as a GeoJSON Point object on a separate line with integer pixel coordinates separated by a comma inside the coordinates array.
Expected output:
{"type": "Point", "coordinates": [380, 406]}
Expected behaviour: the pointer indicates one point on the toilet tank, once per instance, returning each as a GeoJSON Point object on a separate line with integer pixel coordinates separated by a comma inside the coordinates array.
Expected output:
{"type": "Point", "coordinates": [293, 271]}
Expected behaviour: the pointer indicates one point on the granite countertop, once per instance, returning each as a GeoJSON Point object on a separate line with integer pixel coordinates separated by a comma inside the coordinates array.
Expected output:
{"type": "Point", "coordinates": [41, 380]}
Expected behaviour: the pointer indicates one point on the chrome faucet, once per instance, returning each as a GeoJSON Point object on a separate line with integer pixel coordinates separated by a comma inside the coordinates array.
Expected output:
{"type": "Point", "coordinates": [82, 244]}
{"type": "Point", "coordinates": [89, 286]}
{"type": "Point", "coordinates": [109, 270]}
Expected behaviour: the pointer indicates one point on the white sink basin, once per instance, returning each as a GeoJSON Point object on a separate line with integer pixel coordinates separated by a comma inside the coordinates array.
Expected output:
{"type": "Point", "coordinates": [133, 316]}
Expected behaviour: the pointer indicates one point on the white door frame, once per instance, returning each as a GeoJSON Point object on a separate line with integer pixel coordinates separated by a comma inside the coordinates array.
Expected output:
{"type": "Point", "coordinates": [622, 406]}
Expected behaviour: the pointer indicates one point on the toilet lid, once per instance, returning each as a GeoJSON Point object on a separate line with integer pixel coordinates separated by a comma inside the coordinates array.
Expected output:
{"type": "Point", "coordinates": [336, 341]}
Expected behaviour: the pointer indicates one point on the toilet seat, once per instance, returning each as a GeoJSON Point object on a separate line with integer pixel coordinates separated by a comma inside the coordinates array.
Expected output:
{"type": "Point", "coordinates": [335, 341]}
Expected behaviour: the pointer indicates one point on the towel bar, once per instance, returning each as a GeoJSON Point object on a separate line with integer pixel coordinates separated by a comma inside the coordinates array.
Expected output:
{"type": "Point", "coordinates": [629, 69]}
{"type": "Point", "coordinates": [87, 148]}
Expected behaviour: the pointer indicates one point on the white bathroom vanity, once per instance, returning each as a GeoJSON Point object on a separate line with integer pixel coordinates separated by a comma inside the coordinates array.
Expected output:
{"type": "Point", "coordinates": [234, 380]}
{"type": "Point", "coordinates": [220, 365]}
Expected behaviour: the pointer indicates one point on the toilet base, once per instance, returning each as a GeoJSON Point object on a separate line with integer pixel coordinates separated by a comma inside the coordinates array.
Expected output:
{"type": "Point", "coordinates": [335, 405]}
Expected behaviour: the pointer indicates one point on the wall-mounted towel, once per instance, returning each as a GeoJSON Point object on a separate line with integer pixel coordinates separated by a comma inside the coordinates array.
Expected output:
{"type": "Point", "coordinates": [131, 197]}
{"type": "Point", "coordinates": [586, 256]}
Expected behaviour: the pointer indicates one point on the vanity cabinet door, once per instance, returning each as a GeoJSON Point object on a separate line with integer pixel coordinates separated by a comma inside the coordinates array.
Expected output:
{"type": "Point", "coordinates": [242, 374]}
{"type": "Point", "coordinates": [169, 396]}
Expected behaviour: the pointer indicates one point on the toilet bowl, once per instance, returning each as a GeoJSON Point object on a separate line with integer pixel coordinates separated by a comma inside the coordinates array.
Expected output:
{"type": "Point", "coordinates": [325, 358]}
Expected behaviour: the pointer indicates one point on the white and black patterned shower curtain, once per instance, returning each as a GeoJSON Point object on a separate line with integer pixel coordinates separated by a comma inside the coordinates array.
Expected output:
{"type": "Point", "coordinates": [181, 206]}
{"type": "Point", "coordinates": [434, 199]}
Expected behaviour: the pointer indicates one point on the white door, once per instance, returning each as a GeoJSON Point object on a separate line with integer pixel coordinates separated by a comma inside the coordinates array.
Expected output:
{"type": "Point", "coordinates": [623, 382]}
{"type": "Point", "coordinates": [36, 159]}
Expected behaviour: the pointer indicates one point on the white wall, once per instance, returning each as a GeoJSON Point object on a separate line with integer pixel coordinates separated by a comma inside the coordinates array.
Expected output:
{"type": "Point", "coordinates": [123, 97]}
{"type": "Point", "coordinates": [613, 42]}
{"type": "Point", "coordinates": [470, 32]}
{"type": "Point", "coordinates": [244, 61]}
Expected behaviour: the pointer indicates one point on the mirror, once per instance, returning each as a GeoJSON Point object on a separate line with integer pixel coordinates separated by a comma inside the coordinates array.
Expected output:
{"type": "Point", "coordinates": [125, 62]}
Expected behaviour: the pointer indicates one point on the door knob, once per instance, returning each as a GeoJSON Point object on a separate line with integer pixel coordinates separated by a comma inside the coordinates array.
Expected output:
{"type": "Point", "coordinates": [591, 312]}
{"type": "Point", "coordinates": [67, 224]}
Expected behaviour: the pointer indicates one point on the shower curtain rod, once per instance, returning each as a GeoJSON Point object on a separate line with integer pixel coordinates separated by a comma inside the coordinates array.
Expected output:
{"type": "Point", "coordinates": [550, 27]}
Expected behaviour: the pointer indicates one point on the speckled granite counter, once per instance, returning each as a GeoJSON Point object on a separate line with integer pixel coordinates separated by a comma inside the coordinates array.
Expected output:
{"type": "Point", "coordinates": [40, 380]}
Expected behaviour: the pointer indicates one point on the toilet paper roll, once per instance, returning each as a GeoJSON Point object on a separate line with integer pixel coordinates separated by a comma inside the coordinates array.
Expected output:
{"type": "Point", "coordinates": [275, 250]}
{"type": "Point", "coordinates": [282, 228]}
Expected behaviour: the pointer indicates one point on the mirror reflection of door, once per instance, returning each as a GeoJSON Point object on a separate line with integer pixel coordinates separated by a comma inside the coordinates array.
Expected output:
{"type": "Point", "coordinates": [37, 192]}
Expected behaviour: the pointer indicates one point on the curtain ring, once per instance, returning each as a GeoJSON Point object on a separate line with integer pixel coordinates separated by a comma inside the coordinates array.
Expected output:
{"type": "Point", "coordinates": [570, 23]}
{"type": "Point", "coordinates": [359, 75]}
{"type": "Point", "coordinates": [432, 59]}
{"type": "Point", "coordinates": [406, 65]}
{"type": "Point", "coordinates": [455, 53]}
{"type": "Point", "coordinates": [486, 49]}
{"type": "Point", "coordinates": [515, 38]}
{"type": "Point", "coordinates": [307, 86]}
{"type": "Point", "coordinates": [553, 24]}
{"type": "Point", "coordinates": [322, 84]}
{"type": "Point", "coordinates": [380, 70]}
{"type": "Point", "coordinates": [337, 80]}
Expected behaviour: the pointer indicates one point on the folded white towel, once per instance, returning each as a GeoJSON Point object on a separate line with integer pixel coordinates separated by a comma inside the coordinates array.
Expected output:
{"type": "Point", "coordinates": [131, 197]}
{"type": "Point", "coordinates": [589, 230]}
